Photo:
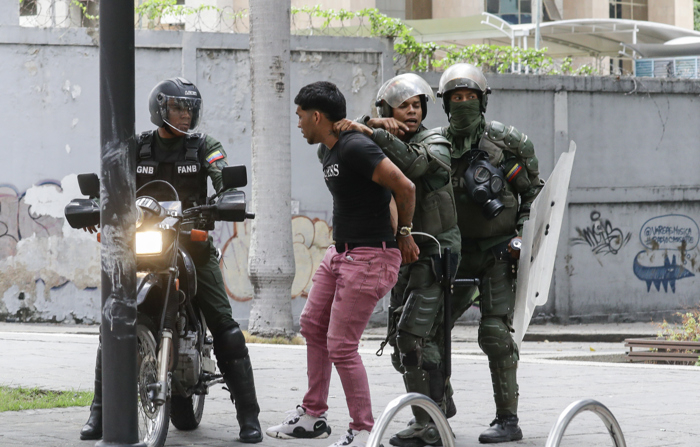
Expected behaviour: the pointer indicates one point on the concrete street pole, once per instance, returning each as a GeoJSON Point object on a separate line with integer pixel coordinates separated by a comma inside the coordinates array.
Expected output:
{"type": "Point", "coordinates": [118, 218]}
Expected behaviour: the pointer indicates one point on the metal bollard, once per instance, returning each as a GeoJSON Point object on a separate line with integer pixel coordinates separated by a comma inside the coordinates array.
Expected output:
{"type": "Point", "coordinates": [557, 431]}
{"type": "Point", "coordinates": [403, 401]}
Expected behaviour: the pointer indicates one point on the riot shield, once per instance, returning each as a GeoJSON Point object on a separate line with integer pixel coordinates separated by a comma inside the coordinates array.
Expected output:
{"type": "Point", "coordinates": [540, 240]}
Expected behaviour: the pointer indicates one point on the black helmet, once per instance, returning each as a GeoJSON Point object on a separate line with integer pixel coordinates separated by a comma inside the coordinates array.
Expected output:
{"type": "Point", "coordinates": [183, 94]}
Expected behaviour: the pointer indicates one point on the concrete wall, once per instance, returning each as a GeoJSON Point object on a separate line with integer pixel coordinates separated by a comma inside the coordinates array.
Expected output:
{"type": "Point", "coordinates": [629, 246]}
{"type": "Point", "coordinates": [51, 272]}
{"type": "Point", "coordinates": [631, 226]}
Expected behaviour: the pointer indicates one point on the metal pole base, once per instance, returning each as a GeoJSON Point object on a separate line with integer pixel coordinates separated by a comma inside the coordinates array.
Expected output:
{"type": "Point", "coordinates": [102, 443]}
{"type": "Point", "coordinates": [403, 401]}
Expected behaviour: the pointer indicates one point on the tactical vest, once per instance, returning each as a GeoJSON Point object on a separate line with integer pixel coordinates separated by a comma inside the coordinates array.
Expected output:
{"type": "Point", "coordinates": [182, 168]}
{"type": "Point", "coordinates": [504, 151]}
{"type": "Point", "coordinates": [435, 210]}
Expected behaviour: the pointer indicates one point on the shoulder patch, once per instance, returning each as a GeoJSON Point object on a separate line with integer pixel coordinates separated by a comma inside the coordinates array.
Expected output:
{"type": "Point", "coordinates": [216, 155]}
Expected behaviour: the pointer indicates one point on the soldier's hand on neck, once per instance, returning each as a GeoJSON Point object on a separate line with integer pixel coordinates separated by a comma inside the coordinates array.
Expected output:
{"type": "Point", "coordinates": [391, 125]}
{"type": "Point", "coordinates": [346, 124]}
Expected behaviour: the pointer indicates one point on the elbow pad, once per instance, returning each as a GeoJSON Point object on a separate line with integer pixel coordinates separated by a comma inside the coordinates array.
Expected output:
{"type": "Point", "coordinates": [413, 163]}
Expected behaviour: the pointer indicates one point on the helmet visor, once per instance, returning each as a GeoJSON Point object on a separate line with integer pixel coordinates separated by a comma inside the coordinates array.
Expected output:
{"type": "Point", "coordinates": [402, 87]}
{"type": "Point", "coordinates": [181, 113]}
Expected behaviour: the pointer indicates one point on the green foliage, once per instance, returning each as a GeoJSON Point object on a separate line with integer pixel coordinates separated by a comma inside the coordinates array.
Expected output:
{"type": "Point", "coordinates": [156, 9]}
{"type": "Point", "coordinates": [689, 329]}
{"type": "Point", "coordinates": [696, 14]}
{"type": "Point", "coordinates": [419, 56]}
{"type": "Point", "coordinates": [16, 399]}
{"type": "Point", "coordinates": [83, 7]}
{"type": "Point", "coordinates": [411, 54]}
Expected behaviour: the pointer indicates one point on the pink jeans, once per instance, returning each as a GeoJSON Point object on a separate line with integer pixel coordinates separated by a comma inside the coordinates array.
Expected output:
{"type": "Point", "coordinates": [346, 288]}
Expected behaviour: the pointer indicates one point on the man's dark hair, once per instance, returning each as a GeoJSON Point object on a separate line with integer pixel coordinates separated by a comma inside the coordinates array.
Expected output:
{"type": "Point", "coordinates": [324, 97]}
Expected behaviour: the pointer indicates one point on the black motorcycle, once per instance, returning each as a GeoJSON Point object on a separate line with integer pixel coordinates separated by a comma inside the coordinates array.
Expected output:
{"type": "Point", "coordinates": [175, 368]}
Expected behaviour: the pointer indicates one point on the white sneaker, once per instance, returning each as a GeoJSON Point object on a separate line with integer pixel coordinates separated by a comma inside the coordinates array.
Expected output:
{"type": "Point", "coordinates": [298, 424]}
{"type": "Point", "coordinates": [352, 438]}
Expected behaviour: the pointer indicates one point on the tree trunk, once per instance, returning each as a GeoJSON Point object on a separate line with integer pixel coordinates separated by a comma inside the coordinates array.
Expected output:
{"type": "Point", "coordinates": [271, 259]}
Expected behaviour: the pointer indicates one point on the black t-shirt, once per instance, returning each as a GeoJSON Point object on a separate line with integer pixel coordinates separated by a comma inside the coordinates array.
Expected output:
{"type": "Point", "coordinates": [360, 206]}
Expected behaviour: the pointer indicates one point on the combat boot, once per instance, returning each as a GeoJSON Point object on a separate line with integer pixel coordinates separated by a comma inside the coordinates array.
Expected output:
{"type": "Point", "coordinates": [93, 427]}
{"type": "Point", "coordinates": [503, 429]}
{"type": "Point", "coordinates": [417, 435]}
{"type": "Point", "coordinates": [238, 375]}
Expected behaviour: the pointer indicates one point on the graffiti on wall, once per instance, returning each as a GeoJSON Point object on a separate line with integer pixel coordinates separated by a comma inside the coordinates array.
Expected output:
{"type": "Point", "coordinates": [668, 240]}
{"type": "Point", "coordinates": [601, 236]}
{"type": "Point", "coordinates": [49, 271]}
{"type": "Point", "coordinates": [18, 221]}
{"type": "Point", "coordinates": [311, 239]}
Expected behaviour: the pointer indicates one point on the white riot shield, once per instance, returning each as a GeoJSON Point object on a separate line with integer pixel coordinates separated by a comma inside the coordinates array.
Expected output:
{"type": "Point", "coordinates": [540, 240]}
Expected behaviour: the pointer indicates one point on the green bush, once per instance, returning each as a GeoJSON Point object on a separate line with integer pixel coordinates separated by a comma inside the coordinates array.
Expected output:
{"type": "Point", "coordinates": [688, 330]}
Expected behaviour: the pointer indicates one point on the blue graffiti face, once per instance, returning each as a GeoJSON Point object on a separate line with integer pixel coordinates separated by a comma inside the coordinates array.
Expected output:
{"type": "Point", "coordinates": [664, 275]}
{"type": "Point", "coordinates": [672, 234]}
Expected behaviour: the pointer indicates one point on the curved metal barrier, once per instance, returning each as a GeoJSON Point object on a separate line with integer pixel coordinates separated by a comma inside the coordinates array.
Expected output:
{"type": "Point", "coordinates": [418, 400]}
{"type": "Point", "coordinates": [557, 431]}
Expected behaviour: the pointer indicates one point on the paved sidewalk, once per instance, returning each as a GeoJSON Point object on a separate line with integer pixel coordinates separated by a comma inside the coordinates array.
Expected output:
{"type": "Point", "coordinates": [655, 405]}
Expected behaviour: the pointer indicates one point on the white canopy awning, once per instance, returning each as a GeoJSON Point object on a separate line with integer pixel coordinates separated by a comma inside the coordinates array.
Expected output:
{"type": "Point", "coordinates": [579, 37]}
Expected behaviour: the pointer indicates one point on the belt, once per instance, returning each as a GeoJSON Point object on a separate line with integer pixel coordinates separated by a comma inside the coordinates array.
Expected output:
{"type": "Point", "coordinates": [341, 247]}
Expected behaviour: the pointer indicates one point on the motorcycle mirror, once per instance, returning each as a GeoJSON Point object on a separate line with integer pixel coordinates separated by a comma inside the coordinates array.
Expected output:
{"type": "Point", "coordinates": [89, 185]}
{"type": "Point", "coordinates": [234, 176]}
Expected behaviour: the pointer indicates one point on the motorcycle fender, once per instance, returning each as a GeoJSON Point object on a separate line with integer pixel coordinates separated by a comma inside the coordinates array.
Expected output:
{"type": "Point", "coordinates": [146, 282]}
{"type": "Point", "coordinates": [188, 273]}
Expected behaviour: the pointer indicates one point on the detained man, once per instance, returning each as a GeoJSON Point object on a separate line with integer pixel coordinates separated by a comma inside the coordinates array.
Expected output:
{"type": "Point", "coordinates": [355, 273]}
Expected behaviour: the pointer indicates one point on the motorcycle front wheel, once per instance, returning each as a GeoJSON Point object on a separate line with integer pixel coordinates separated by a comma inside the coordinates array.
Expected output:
{"type": "Point", "coordinates": [153, 419]}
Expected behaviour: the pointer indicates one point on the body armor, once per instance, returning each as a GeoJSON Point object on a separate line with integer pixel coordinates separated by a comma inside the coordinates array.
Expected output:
{"type": "Point", "coordinates": [514, 153]}
{"type": "Point", "coordinates": [181, 168]}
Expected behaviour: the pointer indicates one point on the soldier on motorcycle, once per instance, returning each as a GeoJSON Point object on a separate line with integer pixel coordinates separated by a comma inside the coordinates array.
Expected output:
{"type": "Point", "coordinates": [177, 155]}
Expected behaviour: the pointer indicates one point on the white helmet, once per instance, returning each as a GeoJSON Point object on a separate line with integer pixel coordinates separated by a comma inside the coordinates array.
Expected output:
{"type": "Point", "coordinates": [400, 88]}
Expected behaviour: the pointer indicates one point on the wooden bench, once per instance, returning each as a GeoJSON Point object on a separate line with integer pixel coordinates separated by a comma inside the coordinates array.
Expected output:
{"type": "Point", "coordinates": [662, 350]}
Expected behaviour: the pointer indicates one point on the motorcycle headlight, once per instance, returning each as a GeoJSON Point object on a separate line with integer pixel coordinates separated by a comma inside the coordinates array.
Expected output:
{"type": "Point", "coordinates": [149, 242]}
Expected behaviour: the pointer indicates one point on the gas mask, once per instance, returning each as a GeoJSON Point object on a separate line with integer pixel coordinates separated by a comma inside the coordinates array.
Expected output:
{"type": "Point", "coordinates": [484, 183]}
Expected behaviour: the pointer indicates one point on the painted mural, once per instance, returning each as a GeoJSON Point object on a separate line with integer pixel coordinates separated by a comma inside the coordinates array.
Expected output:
{"type": "Point", "coordinates": [311, 239]}
{"type": "Point", "coordinates": [667, 258]}
{"type": "Point", "coordinates": [18, 220]}
{"type": "Point", "coordinates": [52, 272]}
{"type": "Point", "coordinates": [49, 271]}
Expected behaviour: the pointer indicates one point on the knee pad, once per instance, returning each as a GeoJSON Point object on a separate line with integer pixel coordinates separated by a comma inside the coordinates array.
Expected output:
{"type": "Point", "coordinates": [421, 310]}
{"type": "Point", "coordinates": [229, 344]}
{"type": "Point", "coordinates": [495, 338]}
{"type": "Point", "coordinates": [410, 349]}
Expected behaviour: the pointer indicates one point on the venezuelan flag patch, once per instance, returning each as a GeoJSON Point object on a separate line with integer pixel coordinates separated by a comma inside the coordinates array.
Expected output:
{"type": "Point", "coordinates": [216, 155]}
{"type": "Point", "coordinates": [515, 170]}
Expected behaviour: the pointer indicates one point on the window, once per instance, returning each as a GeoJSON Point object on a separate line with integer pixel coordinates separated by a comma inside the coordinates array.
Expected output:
{"type": "Point", "coordinates": [512, 11]}
{"type": "Point", "coordinates": [629, 9]}
{"type": "Point", "coordinates": [28, 8]}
